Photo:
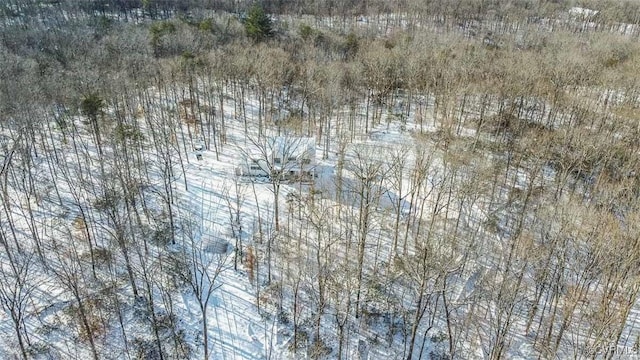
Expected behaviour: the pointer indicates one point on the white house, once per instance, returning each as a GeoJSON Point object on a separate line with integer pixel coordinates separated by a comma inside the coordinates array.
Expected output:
{"type": "Point", "coordinates": [287, 157]}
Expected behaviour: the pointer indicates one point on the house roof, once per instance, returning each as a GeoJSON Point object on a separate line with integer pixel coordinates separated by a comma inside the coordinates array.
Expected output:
{"type": "Point", "coordinates": [282, 147]}
{"type": "Point", "coordinates": [294, 146]}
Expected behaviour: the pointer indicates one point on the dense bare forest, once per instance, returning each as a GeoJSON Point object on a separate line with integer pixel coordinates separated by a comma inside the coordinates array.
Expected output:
{"type": "Point", "coordinates": [469, 186]}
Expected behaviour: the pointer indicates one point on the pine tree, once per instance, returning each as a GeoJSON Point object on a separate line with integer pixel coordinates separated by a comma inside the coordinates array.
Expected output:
{"type": "Point", "coordinates": [258, 25]}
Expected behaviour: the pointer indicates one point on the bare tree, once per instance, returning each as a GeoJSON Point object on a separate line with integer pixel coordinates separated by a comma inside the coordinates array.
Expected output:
{"type": "Point", "coordinates": [396, 179]}
{"type": "Point", "coordinates": [234, 204]}
{"type": "Point", "coordinates": [281, 158]}
{"type": "Point", "coordinates": [368, 170]}
{"type": "Point", "coordinates": [203, 257]}
{"type": "Point", "coordinates": [17, 285]}
{"type": "Point", "coordinates": [69, 272]}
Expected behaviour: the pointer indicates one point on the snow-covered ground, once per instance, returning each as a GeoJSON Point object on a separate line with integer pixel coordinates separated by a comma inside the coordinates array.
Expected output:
{"type": "Point", "coordinates": [219, 215]}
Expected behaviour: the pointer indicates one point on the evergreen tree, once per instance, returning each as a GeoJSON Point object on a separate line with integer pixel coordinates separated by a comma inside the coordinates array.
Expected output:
{"type": "Point", "coordinates": [258, 25]}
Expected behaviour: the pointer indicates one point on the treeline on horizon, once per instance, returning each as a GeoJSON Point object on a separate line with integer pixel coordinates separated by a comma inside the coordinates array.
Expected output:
{"type": "Point", "coordinates": [625, 11]}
